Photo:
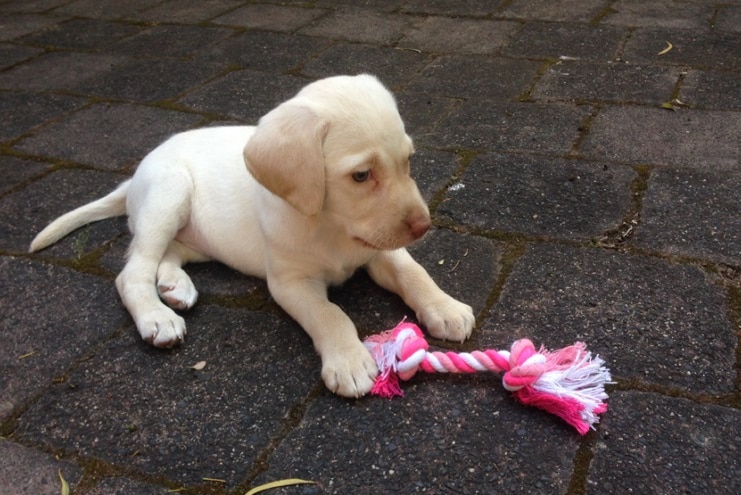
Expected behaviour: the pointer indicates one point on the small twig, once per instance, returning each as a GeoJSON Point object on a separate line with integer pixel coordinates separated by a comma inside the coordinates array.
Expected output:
{"type": "Point", "coordinates": [455, 266]}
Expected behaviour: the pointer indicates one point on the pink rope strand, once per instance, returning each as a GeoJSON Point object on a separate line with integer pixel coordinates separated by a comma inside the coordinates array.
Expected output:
{"type": "Point", "coordinates": [568, 382]}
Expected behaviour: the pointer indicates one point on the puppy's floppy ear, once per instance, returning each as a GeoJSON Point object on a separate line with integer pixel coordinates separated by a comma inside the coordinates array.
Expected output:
{"type": "Point", "coordinates": [285, 155]}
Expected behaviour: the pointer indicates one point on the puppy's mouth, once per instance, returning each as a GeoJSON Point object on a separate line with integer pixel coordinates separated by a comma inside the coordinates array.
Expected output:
{"type": "Point", "coordinates": [382, 245]}
{"type": "Point", "coordinates": [366, 244]}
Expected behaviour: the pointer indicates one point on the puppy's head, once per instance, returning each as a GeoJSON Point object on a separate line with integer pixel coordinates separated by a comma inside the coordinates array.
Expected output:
{"type": "Point", "coordinates": [339, 150]}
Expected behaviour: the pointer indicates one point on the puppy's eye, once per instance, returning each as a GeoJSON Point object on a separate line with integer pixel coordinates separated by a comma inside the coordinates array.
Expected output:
{"type": "Point", "coordinates": [361, 176]}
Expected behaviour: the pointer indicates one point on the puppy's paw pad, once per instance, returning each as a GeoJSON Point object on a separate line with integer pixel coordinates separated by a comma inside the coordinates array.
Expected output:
{"type": "Point", "coordinates": [448, 320]}
{"type": "Point", "coordinates": [177, 291]}
{"type": "Point", "coordinates": [161, 327]}
{"type": "Point", "coordinates": [350, 373]}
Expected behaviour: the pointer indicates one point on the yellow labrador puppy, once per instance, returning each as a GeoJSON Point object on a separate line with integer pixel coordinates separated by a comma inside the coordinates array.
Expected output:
{"type": "Point", "coordinates": [321, 188]}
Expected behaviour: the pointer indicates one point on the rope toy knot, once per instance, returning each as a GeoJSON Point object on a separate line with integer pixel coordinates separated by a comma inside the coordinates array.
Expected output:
{"type": "Point", "coordinates": [525, 366]}
{"type": "Point", "coordinates": [568, 382]}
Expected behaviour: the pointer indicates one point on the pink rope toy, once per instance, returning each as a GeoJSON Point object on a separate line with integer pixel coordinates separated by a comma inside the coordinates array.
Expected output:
{"type": "Point", "coordinates": [569, 382]}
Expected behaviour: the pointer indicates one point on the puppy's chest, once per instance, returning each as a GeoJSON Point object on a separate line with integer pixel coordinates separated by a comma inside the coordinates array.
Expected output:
{"type": "Point", "coordinates": [339, 273]}
{"type": "Point", "coordinates": [336, 269]}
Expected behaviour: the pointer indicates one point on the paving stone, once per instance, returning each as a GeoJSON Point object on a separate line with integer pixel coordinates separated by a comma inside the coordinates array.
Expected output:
{"type": "Point", "coordinates": [58, 70]}
{"type": "Point", "coordinates": [711, 90]}
{"type": "Point", "coordinates": [696, 49]}
{"type": "Point", "coordinates": [17, 25]}
{"type": "Point", "coordinates": [444, 34]}
{"type": "Point", "coordinates": [272, 17]}
{"type": "Point", "coordinates": [553, 10]}
{"type": "Point", "coordinates": [666, 445]}
{"type": "Point", "coordinates": [175, 41]}
{"type": "Point", "coordinates": [694, 214]}
{"type": "Point", "coordinates": [187, 11]}
{"type": "Point", "coordinates": [566, 199]}
{"type": "Point", "coordinates": [556, 39]}
{"type": "Point", "coordinates": [107, 135]}
{"type": "Point", "coordinates": [259, 50]}
{"type": "Point", "coordinates": [655, 13]}
{"type": "Point", "coordinates": [103, 9]}
{"type": "Point", "coordinates": [148, 80]}
{"type": "Point", "coordinates": [421, 111]}
{"type": "Point", "coordinates": [244, 95]}
{"type": "Point", "coordinates": [482, 77]}
{"type": "Point", "coordinates": [14, 171]}
{"type": "Point", "coordinates": [728, 18]}
{"type": "Point", "coordinates": [32, 6]}
{"type": "Point", "coordinates": [392, 66]}
{"type": "Point", "coordinates": [700, 140]}
{"type": "Point", "coordinates": [25, 471]}
{"type": "Point", "coordinates": [124, 486]}
{"type": "Point", "coordinates": [23, 213]}
{"type": "Point", "coordinates": [24, 111]}
{"type": "Point", "coordinates": [53, 337]}
{"type": "Point", "coordinates": [501, 126]}
{"type": "Point", "coordinates": [82, 34]}
{"type": "Point", "coordinates": [453, 7]}
{"type": "Point", "coordinates": [182, 423]}
{"type": "Point", "coordinates": [610, 82]}
{"type": "Point", "coordinates": [363, 26]}
{"type": "Point", "coordinates": [377, 5]}
{"type": "Point", "coordinates": [413, 445]}
{"type": "Point", "coordinates": [13, 54]}
{"type": "Point", "coordinates": [651, 320]}
{"type": "Point", "coordinates": [432, 171]}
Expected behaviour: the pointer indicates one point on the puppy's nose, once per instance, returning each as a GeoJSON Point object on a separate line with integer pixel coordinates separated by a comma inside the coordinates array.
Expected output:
{"type": "Point", "coordinates": [419, 224]}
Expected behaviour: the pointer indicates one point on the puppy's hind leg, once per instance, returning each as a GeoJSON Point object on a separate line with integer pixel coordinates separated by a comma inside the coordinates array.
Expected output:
{"type": "Point", "coordinates": [174, 285]}
{"type": "Point", "coordinates": [157, 214]}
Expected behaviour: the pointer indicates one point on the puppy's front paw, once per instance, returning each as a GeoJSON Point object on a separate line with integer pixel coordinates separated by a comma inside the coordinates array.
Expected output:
{"type": "Point", "coordinates": [161, 327]}
{"type": "Point", "coordinates": [448, 319]}
{"type": "Point", "coordinates": [350, 372]}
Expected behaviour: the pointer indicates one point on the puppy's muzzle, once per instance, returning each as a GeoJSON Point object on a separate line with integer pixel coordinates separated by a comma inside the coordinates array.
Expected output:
{"type": "Point", "coordinates": [418, 224]}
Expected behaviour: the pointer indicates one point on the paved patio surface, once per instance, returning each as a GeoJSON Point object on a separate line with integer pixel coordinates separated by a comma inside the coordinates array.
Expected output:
{"type": "Point", "coordinates": [581, 159]}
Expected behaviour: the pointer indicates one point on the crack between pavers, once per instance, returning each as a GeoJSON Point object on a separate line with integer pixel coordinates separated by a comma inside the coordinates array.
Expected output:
{"type": "Point", "coordinates": [620, 236]}
{"type": "Point", "coordinates": [293, 419]}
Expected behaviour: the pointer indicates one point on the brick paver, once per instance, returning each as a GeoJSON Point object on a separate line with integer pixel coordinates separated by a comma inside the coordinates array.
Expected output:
{"type": "Point", "coordinates": [582, 163]}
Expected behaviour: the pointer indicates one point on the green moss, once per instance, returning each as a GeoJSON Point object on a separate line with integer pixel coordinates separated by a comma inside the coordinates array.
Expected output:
{"type": "Point", "coordinates": [256, 300]}
{"type": "Point", "coordinates": [464, 158]}
{"type": "Point", "coordinates": [527, 95]}
{"type": "Point", "coordinates": [582, 462]}
{"type": "Point", "coordinates": [601, 15]}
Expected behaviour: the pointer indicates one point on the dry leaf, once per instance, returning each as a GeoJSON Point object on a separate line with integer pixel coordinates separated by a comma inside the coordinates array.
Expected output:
{"type": "Point", "coordinates": [278, 484]}
{"type": "Point", "coordinates": [455, 266]}
{"type": "Point", "coordinates": [669, 46]}
{"type": "Point", "coordinates": [214, 480]}
{"type": "Point", "coordinates": [673, 104]}
{"type": "Point", "coordinates": [65, 485]}
{"type": "Point", "coordinates": [199, 365]}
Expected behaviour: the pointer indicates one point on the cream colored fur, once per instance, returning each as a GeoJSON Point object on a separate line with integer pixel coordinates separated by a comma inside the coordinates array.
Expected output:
{"type": "Point", "coordinates": [326, 189]}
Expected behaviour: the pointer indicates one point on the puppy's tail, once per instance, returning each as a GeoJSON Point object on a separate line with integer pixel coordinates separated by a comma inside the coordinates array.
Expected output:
{"type": "Point", "coordinates": [112, 205]}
